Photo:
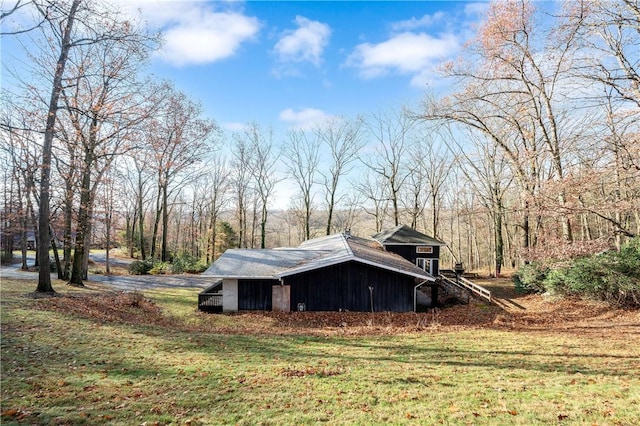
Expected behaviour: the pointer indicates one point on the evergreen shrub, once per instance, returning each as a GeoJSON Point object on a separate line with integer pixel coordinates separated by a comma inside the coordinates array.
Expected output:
{"type": "Point", "coordinates": [141, 267]}
{"type": "Point", "coordinates": [612, 277]}
{"type": "Point", "coordinates": [530, 278]}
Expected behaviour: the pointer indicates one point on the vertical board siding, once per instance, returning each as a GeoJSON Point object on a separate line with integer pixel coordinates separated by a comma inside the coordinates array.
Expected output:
{"type": "Point", "coordinates": [346, 286]}
{"type": "Point", "coordinates": [410, 253]}
{"type": "Point", "coordinates": [255, 295]}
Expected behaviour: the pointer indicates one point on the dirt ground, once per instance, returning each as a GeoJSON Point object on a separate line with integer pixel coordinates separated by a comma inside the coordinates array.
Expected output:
{"type": "Point", "coordinates": [510, 311]}
{"type": "Point", "coordinates": [535, 313]}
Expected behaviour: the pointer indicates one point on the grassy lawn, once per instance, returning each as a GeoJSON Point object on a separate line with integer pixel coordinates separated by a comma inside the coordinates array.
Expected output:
{"type": "Point", "coordinates": [68, 361]}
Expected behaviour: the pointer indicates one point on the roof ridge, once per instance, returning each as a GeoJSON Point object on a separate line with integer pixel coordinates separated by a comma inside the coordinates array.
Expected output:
{"type": "Point", "coordinates": [345, 241]}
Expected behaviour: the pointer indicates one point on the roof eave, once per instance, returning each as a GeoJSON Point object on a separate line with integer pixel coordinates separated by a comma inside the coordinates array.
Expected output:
{"type": "Point", "coordinates": [425, 276]}
{"type": "Point", "coordinates": [314, 266]}
{"type": "Point", "coordinates": [413, 244]}
{"type": "Point", "coordinates": [356, 259]}
{"type": "Point", "coordinates": [243, 277]}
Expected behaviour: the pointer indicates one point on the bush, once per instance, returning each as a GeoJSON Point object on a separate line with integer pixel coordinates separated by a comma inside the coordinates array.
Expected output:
{"type": "Point", "coordinates": [186, 263]}
{"type": "Point", "coordinates": [160, 268]}
{"type": "Point", "coordinates": [612, 277]}
{"type": "Point", "coordinates": [141, 267]}
{"type": "Point", "coordinates": [530, 278]}
{"type": "Point", "coordinates": [598, 278]}
{"type": "Point", "coordinates": [181, 264]}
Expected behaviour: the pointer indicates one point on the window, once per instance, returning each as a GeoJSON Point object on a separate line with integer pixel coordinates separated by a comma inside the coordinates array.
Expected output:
{"type": "Point", "coordinates": [429, 265]}
{"type": "Point", "coordinates": [424, 249]}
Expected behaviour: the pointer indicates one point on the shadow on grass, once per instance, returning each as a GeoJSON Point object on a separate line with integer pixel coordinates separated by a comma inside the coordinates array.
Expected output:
{"type": "Point", "coordinates": [362, 349]}
{"type": "Point", "coordinates": [480, 348]}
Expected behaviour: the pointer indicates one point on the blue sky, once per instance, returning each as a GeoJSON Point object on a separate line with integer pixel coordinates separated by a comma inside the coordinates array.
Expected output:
{"type": "Point", "coordinates": [286, 64]}
{"type": "Point", "coordinates": [293, 63]}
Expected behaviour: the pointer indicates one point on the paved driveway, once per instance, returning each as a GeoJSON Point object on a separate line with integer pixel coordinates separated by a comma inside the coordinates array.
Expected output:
{"type": "Point", "coordinates": [123, 282]}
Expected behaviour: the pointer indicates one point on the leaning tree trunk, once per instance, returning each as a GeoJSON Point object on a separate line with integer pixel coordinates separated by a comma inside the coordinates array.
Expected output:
{"type": "Point", "coordinates": [44, 270]}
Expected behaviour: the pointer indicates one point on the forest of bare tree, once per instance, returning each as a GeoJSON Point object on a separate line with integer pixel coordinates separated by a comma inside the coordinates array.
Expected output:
{"type": "Point", "coordinates": [532, 151]}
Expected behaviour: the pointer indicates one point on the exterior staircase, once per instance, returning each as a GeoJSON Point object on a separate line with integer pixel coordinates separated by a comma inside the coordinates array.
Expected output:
{"type": "Point", "coordinates": [464, 289]}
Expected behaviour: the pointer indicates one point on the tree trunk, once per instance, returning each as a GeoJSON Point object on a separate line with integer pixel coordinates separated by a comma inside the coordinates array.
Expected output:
{"type": "Point", "coordinates": [5, 215]}
{"type": "Point", "coordinates": [108, 237]}
{"type": "Point", "coordinates": [263, 226]}
{"type": "Point", "coordinates": [77, 269]}
{"type": "Point", "coordinates": [330, 213]}
{"type": "Point", "coordinates": [44, 270]}
{"type": "Point", "coordinates": [156, 223]}
{"type": "Point", "coordinates": [396, 213]}
{"type": "Point", "coordinates": [143, 253]}
{"type": "Point", "coordinates": [66, 238]}
{"type": "Point", "coordinates": [130, 229]}
{"type": "Point", "coordinates": [165, 225]}
{"type": "Point", "coordinates": [56, 256]}
{"type": "Point", "coordinates": [434, 211]}
{"type": "Point", "coordinates": [567, 235]}
{"type": "Point", "coordinates": [23, 220]}
{"type": "Point", "coordinates": [499, 241]}
{"type": "Point", "coordinates": [214, 224]}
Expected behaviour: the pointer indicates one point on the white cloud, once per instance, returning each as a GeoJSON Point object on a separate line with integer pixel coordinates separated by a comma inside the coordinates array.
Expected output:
{"type": "Point", "coordinates": [234, 126]}
{"type": "Point", "coordinates": [413, 23]}
{"type": "Point", "coordinates": [305, 44]}
{"type": "Point", "coordinates": [303, 119]}
{"type": "Point", "coordinates": [405, 53]}
{"type": "Point", "coordinates": [195, 33]}
{"type": "Point", "coordinates": [476, 8]}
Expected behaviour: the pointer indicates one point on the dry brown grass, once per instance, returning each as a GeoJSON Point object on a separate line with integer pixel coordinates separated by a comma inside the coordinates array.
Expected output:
{"type": "Point", "coordinates": [533, 312]}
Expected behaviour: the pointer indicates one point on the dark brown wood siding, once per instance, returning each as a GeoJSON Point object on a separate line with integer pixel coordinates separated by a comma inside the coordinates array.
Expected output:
{"type": "Point", "coordinates": [410, 253]}
{"type": "Point", "coordinates": [255, 295]}
{"type": "Point", "coordinates": [346, 286]}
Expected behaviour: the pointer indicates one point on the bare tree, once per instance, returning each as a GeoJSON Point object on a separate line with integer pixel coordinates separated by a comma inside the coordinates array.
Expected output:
{"type": "Point", "coordinates": [263, 170]}
{"type": "Point", "coordinates": [344, 139]}
{"type": "Point", "coordinates": [179, 138]}
{"type": "Point", "coordinates": [303, 154]}
{"type": "Point", "coordinates": [609, 37]}
{"type": "Point", "coordinates": [104, 105]}
{"type": "Point", "coordinates": [19, 146]}
{"type": "Point", "coordinates": [374, 190]}
{"type": "Point", "coordinates": [390, 131]}
{"type": "Point", "coordinates": [60, 26]}
{"type": "Point", "coordinates": [217, 196]}
{"type": "Point", "coordinates": [431, 163]}
{"type": "Point", "coordinates": [487, 172]}
{"type": "Point", "coordinates": [242, 184]}
{"type": "Point", "coordinates": [516, 94]}
{"type": "Point", "coordinates": [64, 26]}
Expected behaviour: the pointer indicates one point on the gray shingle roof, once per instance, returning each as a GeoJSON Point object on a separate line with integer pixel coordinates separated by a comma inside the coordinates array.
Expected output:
{"type": "Point", "coordinates": [258, 263]}
{"type": "Point", "coordinates": [402, 234]}
{"type": "Point", "coordinates": [310, 255]}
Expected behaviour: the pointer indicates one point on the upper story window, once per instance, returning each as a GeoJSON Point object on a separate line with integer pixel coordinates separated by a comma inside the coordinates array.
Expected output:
{"type": "Point", "coordinates": [424, 249]}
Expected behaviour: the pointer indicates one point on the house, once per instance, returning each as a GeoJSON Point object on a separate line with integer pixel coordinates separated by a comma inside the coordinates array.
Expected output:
{"type": "Point", "coordinates": [416, 247]}
{"type": "Point", "coordinates": [331, 273]}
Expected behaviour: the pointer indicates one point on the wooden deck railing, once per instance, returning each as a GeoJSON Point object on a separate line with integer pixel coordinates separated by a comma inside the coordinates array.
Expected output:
{"type": "Point", "coordinates": [210, 300]}
{"type": "Point", "coordinates": [468, 285]}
